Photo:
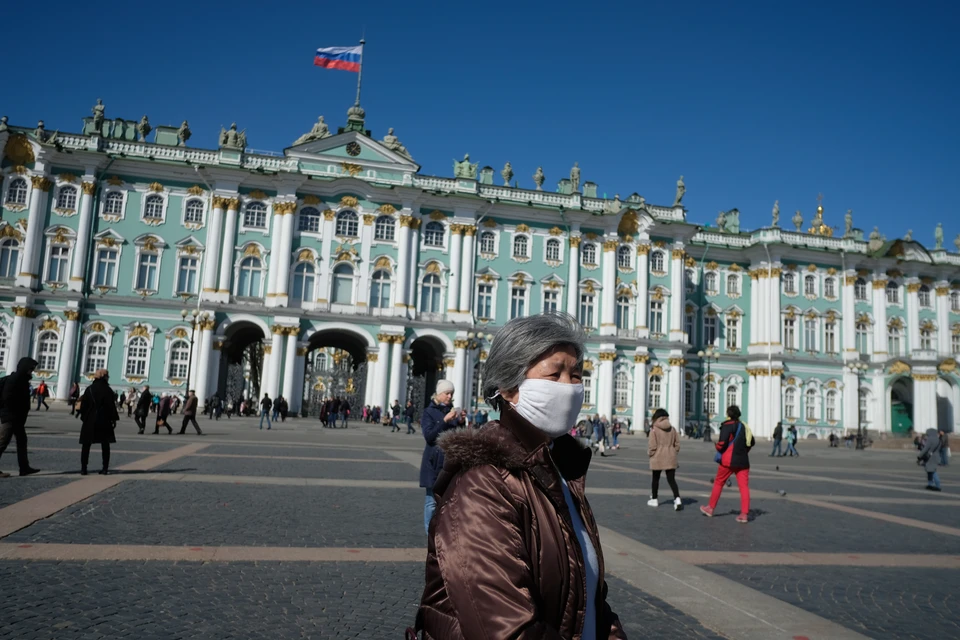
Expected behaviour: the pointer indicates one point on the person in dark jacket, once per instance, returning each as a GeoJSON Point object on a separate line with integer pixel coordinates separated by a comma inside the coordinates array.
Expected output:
{"type": "Point", "coordinates": [14, 407]}
{"type": "Point", "coordinates": [163, 412]}
{"type": "Point", "coordinates": [929, 457]}
{"type": "Point", "coordinates": [777, 440]}
{"type": "Point", "coordinates": [395, 420]}
{"type": "Point", "coordinates": [99, 415]}
{"type": "Point", "coordinates": [733, 448]}
{"type": "Point", "coordinates": [74, 397]}
{"type": "Point", "coordinates": [143, 409]}
{"type": "Point", "coordinates": [408, 413]}
{"type": "Point", "coordinates": [190, 413]}
{"type": "Point", "coordinates": [436, 419]}
{"type": "Point", "coordinates": [265, 406]}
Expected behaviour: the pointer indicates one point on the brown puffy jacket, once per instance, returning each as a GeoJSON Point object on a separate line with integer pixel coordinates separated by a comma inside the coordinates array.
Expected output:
{"type": "Point", "coordinates": [663, 445]}
{"type": "Point", "coordinates": [503, 560]}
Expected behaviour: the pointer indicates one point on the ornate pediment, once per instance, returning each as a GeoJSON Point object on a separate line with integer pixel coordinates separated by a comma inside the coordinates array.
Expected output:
{"type": "Point", "coordinates": [350, 148]}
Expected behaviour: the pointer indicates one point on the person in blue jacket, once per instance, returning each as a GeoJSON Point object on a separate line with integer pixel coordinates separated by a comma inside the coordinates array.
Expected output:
{"type": "Point", "coordinates": [436, 418]}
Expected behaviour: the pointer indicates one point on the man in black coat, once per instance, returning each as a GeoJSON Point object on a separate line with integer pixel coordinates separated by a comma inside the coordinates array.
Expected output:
{"type": "Point", "coordinates": [14, 407]}
{"type": "Point", "coordinates": [777, 440]}
{"type": "Point", "coordinates": [143, 409]}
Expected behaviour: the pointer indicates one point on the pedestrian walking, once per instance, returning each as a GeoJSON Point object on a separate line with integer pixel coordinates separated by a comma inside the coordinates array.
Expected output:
{"type": "Point", "coordinates": [944, 448]}
{"type": "Point", "coordinates": [164, 405]}
{"type": "Point", "coordinates": [43, 392]}
{"type": "Point", "coordinates": [408, 412]}
{"type": "Point", "coordinates": [190, 413]}
{"type": "Point", "coordinates": [73, 397]}
{"type": "Point", "coordinates": [395, 421]}
{"type": "Point", "coordinates": [143, 409]}
{"type": "Point", "coordinates": [100, 416]}
{"type": "Point", "coordinates": [928, 458]}
{"type": "Point", "coordinates": [733, 449]}
{"type": "Point", "coordinates": [663, 448]}
{"type": "Point", "coordinates": [132, 398]}
{"type": "Point", "coordinates": [345, 413]}
{"type": "Point", "coordinates": [334, 412]}
{"type": "Point", "coordinates": [777, 440]}
{"type": "Point", "coordinates": [436, 419]}
{"type": "Point", "coordinates": [266, 404]}
{"type": "Point", "coordinates": [616, 430]}
{"type": "Point", "coordinates": [792, 442]}
{"type": "Point", "coordinates": [514, 551]}
{"type": "Point", "coordinates": [14, 407]}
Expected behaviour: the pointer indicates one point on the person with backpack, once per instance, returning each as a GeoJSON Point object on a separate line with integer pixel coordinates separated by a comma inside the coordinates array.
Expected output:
{"type": "Point", "coordinates": [99, 415]}
{"type": "Point", "coordinates": [43, 392]}
{"type": "Point", "coordinates": [663, 447]}
{"type": "Point", "coordinates": [733, 449]}
{"type": "Point", "coordinates": [14, 407]}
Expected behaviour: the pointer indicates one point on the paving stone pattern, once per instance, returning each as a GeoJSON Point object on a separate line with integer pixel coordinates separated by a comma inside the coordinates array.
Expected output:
{"type": "Point", "coordinates": [881, 603]}
{"type": "Point", "coordinates": [374, 470]}
{"type": "Point", "coordinates": [14, 489]}
{"type": "Point", "coordinates": [305, 451]}
{"type": "Point", "coordinates": [646, 616]}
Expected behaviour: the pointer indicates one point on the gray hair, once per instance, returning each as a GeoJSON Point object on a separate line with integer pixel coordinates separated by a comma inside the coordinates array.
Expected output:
{"type": "Point", "coordinates": [521, 343]}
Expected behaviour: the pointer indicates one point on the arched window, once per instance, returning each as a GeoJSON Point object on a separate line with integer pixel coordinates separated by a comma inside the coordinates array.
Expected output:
{"type": "Point", "coordinates": [927, 338]}
{"type": "Point", "coordinates": [3, 347]}
{"type": "Point", "coordinates": [255, 215]}
{"type": "Point", "coordinates": [830, 288]}
{"type": "Point", "coordinates": [17, 191]}
{"type": "Point", "coordinates": [623, 312]}
{"type": "Point", "coordinates": [193, 214]}
{"type": "Point", "coordinates": [48, 344]}
{"type": "Point", "coordinates": [893, 293]}
{"type": "Point", "coordinates": [860, 290]}
{"type": "Point", "coordinates": [250, 278]}
{"type": "Point", "coordinates": [521, 246]}
{"type": "Point", "coordinates": [342, 284]}
{"type": "Point", "coordinates": [553, 250]}
{"type": "Point", "coordinates": [310, 220]}
{"type": "Point", "coordinates": [731, 395]}
{"type": "Point", "coordinates": [179, 360]}
{"type": "Point", "coordinates": [831, 406]}
{"type": "Point", "coordinates": [654, 392]}
{"type": "Point", "coordinates": [789, 284]}
{"type": "Point", "coordinates": [380, 289]}
{"type": "Point", "coordinates": [894, 340]}
{"type": "Point", "coordinates": [153, 208]}
{"type": "Point", "coordinates": [96, 354]}
{"type": "Point", "coordinates": [657, 262]}
{"type": "Point", "coordinates": [790, 404]}
{"type": "Point", "coordinates": [733, 285]}
{"type": "Point", "coordinates": [347, 224]}
{"type": "Point", "coordinates": [810, 285]}
{"type": "Point", "coordinates": [810, 404]}
{"type": "Point", "coordinates": [621, 389]}
{"type": "Point", "coordinates": [9, 257]}
{"type": "Point", "coordinates": [430, 294]}
{"type": "Point", "coordinates": [624, 257]}
{"type": "Point", "coordinates": [588, 255]}
{"type": "Point", "coordinates": [923, 296]}
{"type": "Point", "coordinates": [147, 271]}
{"type": "Point", "coordinates": [587, 380]}
{"type": "Point", "coordinates": [137, 351]}
{"type": "Point", "coordinates": [303, 281]}
{"type": "Point", "coordinates": [488, 242]}
{"type": "Point", "coordinates": [433, 234]}
{"type": "Point", "coordinates": [384, 228]}
{"type": "Point", "coordinates": [710, 282]}
{"type": "Point", "coordinates": [113, 204]}
{"type": "Point", "coordinates": [67, 198]}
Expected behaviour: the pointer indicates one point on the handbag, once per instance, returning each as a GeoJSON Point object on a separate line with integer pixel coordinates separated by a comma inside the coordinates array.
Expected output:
{"type": "Point", "coordinates": [718, 458]}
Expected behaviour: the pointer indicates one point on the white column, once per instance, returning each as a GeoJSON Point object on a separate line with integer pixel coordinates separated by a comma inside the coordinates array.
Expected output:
{"type": "Point", "coordinates": [851, 400]}
{"type": "Point", "coordinates": [453, 278]}
{"type": "Point", "coordinates": [366, 245]}
{"type": "Point", "coordinates": [78, 265]}
{"type": "Point", "coordinates": [369, 387]}
{"type": "Point", "coordinates": [18, 339]}
{"type": "Point", "coordinates": [943, 318]}
{"type": "Point", "coordinates": [573, 277]}
{"type": "Point", "coordinates": [466, 271]}
{"type": "Point", "coordinates": [849, 321]}
{"type": "Point", "coordinates": [229, 242]}
{"type": "Point", "coordinates": [608, 296]}
{"type": "Point", "coordinates": [677, 292]}
{"type": "Point", "coordinates": [924, 398]}
{"type": "Point", "coordinates": [604, 389]}
{"type": "Point", "coordinates": [325, 249]}
{"type": "Point", "coordinates": [30, 266]}
{"type": "Point", "coordinates": [282, 282]}
{"type": "Point", "coordinates": [881, 403]}
{"type": "Point", "coordinates": [299, 371]}
{"type": "Point", "coordinates": [290, 362]}
{"type": "Point", "coordinates": [404, 372]}
{"type": "Point", "coordinates": [276, 253]}
{"type": "Point", "coordinates": [214, 240]}
{"type": "Point", "coordinates": [204, 348]}
{"type": "Point", "coordinates": [879, 318]}
{"type": "Point", "coordinates": [775, 400]}
{"type": "Point", "coordinates": [675, 393]}
{"type": "Point", "coordinates": [640, 390]}
{"type": "Point", "coordinates": [643, 288]}
{"type": "Point", "coordinates": [272, 383]}
{"type": "Point", "coordinates": [396, 371]}
{"type": "Point", "coordinates": [771, 302]}
{"type": "Point", "coordinates": [754, 399]}
{"type": "Point", "coordinates": [413, 272]}
{"type": "Point", "coordinates": [68, 355]}
{"type": "Point", "coordinates": [383, 371]}
{"type": "Point", "coordinates": [400, 287]}
{"type": "Point", "coordinates": [913, 317]}
{"type": "Point", "coordinates": [459, 371]}
{"type": "Point", "coordinates": [756, 314]}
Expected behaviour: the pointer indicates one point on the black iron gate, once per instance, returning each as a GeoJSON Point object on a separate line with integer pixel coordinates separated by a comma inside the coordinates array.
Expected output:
{"type": "Point", "coordinates": [334, 375]}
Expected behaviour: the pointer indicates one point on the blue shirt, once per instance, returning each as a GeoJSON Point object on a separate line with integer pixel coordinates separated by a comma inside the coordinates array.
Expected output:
{"type": "Point", "coordinates": [591, 565]}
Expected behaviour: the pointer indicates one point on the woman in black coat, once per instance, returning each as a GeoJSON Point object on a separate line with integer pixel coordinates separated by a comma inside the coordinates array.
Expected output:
{"type": "Point", "coordinates": [98, 411]}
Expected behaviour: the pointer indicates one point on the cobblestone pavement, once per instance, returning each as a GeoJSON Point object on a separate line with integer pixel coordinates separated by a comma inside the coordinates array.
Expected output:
{"type": "Point", "coordinates": [240, 489]}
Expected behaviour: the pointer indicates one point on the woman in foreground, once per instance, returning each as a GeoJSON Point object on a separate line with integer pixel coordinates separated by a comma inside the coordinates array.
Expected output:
{"type": "Point", "coordinates": [513, 548]}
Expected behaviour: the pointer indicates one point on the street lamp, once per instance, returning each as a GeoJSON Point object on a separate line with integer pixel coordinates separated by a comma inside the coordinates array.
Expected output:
{"type": "Point", "coordinates": [475, 342]}
{"type": "Point", "coordinates": [858, 369]}
{"type": "Point", "coordinates": [706, 356]}
{"type": "Point", "coordinates": [193, 331]}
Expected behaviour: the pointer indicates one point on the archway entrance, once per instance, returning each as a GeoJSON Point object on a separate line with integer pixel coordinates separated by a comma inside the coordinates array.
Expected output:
{"type": "Point", "coordinates": [336, 367]}
{"type": "Point", "coordinates": [947, 396]}
{"type": "Point", "coordinates": [901, 405]}
{"type": "Point", "coordinates": [426, 363]}
{"type": "Point", "coordinates": [241, 363]}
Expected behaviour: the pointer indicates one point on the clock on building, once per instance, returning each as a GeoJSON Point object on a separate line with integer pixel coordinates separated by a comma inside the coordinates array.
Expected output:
{"type": "Point", "coordinates": [353, 148]}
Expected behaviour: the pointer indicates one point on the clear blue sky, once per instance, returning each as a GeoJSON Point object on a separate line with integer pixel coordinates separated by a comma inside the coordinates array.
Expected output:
{"type": "Point", "coordinates": [751, 102]}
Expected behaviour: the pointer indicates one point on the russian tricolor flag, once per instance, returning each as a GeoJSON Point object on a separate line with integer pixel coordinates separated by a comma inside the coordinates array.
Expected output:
{"type": "Point", "coordinates": [346, 58]}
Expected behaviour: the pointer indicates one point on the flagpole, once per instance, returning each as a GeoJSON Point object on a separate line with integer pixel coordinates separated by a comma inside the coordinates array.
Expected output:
{"type": "Point", "coordinates": [360, 74]}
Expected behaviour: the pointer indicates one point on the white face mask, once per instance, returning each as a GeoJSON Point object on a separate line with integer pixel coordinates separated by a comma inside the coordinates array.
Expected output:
{"type": "Point", "coordinates": [550, 406]}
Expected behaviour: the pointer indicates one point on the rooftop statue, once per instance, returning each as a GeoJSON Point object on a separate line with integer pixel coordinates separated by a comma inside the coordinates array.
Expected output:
{"type": "Point", "coordinates": [938, 236]}
{"type": "Point", "coordinates": [614, 206]}
{"type": "Point", "coordinates": [184, 133]}
{"type": "Point", "coordinates": [3, 123]}
{"type": "Point", "coordinates": [391, 142]}
{"type": "Point", "coordinates": [681, 189]}
{"type": "Point", "coordinates": [722, 220]}
{"type": "Point", "coordinates": [464, 169]}
{"type": "Point", "coordinates": [875, 234]}
{"type": "Point", "coordinates": [956, 242]}
{"type": "Point", "coordinates": [318, 131]}
{"type": "Point", "coordinates": [233, 139]}
{"type": "Point", "coordinates": [98, 115]}
{"type": "Point", "coordinates": [797, 220]}
{"type": "Point", "coordinates": [575, 177]}
{"type": "Point", "coordinates": [848, 224]}
{"type": "Point", "coordinates": [909, 235]}
{"type": "Point", "coordinates": [876, 240]}
{"type": "Point", "coordinates": [776, 214]}
{"type": "Point", "coordinates": [538, 178]}
{"type": "Point", "coordinates": [507, 174]}
{"type": "Point", "coordinates": [144, 128]}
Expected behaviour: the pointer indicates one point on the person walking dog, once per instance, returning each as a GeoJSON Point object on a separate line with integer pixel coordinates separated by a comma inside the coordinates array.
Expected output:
{"type": "Point", "coordinates": [663, 447]}
{"type": "Point", "coordinates": [98, 412]}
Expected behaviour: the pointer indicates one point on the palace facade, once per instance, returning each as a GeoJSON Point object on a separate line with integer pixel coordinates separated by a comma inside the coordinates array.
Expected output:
{"type": "Point", "coordinates": [336, 268]}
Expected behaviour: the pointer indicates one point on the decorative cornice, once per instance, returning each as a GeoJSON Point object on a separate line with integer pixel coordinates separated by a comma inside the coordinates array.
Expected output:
{"type": "Point", "coordinates": [41, 183]}
{"type": "Point", "coordinates": [24, 312]}
{"type": "Point", "coordinates": [88, 188]}
{"type": "Point", "coordinates": [71, 315]}
{"type": "Point", "coordinates": [607, 356]}
{"type": "Point", "coordinates": [641, 358]}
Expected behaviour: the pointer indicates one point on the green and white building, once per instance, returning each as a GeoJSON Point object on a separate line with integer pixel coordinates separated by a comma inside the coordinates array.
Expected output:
{"type": "Point", "coordinates": [337, 268]}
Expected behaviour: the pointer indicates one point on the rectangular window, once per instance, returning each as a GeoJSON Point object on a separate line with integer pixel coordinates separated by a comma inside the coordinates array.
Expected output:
{"type": "Point", "coordinates": [690, 328]}
{"type": "Point", "coordinates": [518, 302]}
{"type": "Point", "coordinates": [485, 301]}
{"type": "Point", "coordinates": [59, 259]}
{"type": "Point", "coordinates": [710, 399]}
{"type": "Point", "coordinates": [831, 407]}
{"type": "Point", "coordinates": [551, 300]}
{"type": "Point", "coordinates": [810, 334]}
{"type": "Point", "coordinates": [623, 313]}
{"type": "Point", "coordinates": [586, 309]}
{"type": "Point", "coordinates": [733, 334]}
{"type": "Point", "coordinates": [587, 388]}
{"type": "Point", "coordinates": [926, 340]}
{"type": "Point", "coordinates": [187, 278]}
{"type": "Point", "coordinates": [656, 318]}
{"type": "Point", "coordinates": [955, 344]}
{"type": "Point", "coordinates": [106, 275]}
{"type": "Point", "coordinates": [789, 333]}
{"type": "Point", "coordinates": [147, 272]}
{"type": "Point", "coordinates": [863, 339]}
{"type": "Point", "coordinates": [863, 408]}
{"type": "Point", "coordinates": [688, 398]}
{"type": "Point", "coordinates": [830, 337]}
{"type": "Point", "coordinates": [710, 331]}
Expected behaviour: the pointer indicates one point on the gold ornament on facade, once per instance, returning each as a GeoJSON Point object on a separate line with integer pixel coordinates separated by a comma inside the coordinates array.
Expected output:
{"type": "Point", "coordinates": [656, 370]}
{"type": "Point", "coordinates": [575, 241]}
{"type": "Point", "coordinates": [899, 368]}
{"type": "Point", "coordinates": [329, 214]}
{"type": "Point", "coordinates": [387, 209]}
{"type": "Point", "coordinates": [208, 325]}
{"type": "Point", "coordinates": [588, 365]}
{"type": "Point", "coordinates": [71, 315]}
{"type": "Point", "coordinates": [490, 223]}
{"type": "Point", "coordinates": [311, 199]}
{"type": "Point", "coordinates": [67, 177]}
{"type": "Point", "coordinates": [267, 349]}
{"type": "Point", "coordinates": [460, 344]}
{"type": "Point", "coordinates": [641, 358]}
{"type": "Point", "coordinates": [150, 243]}
{"type": "Point", "coordinates": [19, 170]}
{"type": "Point", "coordinates": [8, 231]}
{"type": "Point", "coordinates": [449, 363]}
{"type": "Point", "coordinates": [278, 330]}
{"type": "Point", "coordinates": [894, 273]}
{"type": "Point", "coordinates": [555, 231]}
{"type": "Point", "coordinates": [305, 255]}
{"type": "Point", "coordinates": [41, 183]}
{"type": "Point", "coordinates": [179, 332]}
{"type": "Point", "coordinates": [60, 237]}
{"type": "Point", "coordinates": [257, 194]}
{"type": "Point", "coordinates": [18, 150]}
{"type": "Point", "coordinates": [942, 291]}
{"type": "Point", "coordinates": [913, 287]}
{"type": "Point", "coordinates": [610, 245]}
{"type": "Point", "coordinates": [895, 322]}
{"type": "Point", "coordinates": [948, 366]}
{"type": "Point", "coordinates": [924, 377]}
{"type": "Point", "coordinates": [643, 249]}
{"type": "Point", "coordinates": [879, 284]}
{"type": "Point", "coordinates": [415, 223]}
{"type": "Point", "coordinates": [851, 280]}
{"type": "Point", "coordinates": [677, 253]}
{"type": "Point", "coordinates": [88, 188]}
{"type": "Point", "coordinates": [437, 215]}
{"type": "Point", "coordinates": [690, 262]}
{"type": "Point", "coordinates": [373, 357]}
{"type": "Point", "coordinates": [712, 266]}
{"type": "Point", "coordinates": [156, 187]}
{"type": "Point", "coordinates": [217, 345]}
{"type": "Point", "coordinates": [607, 356]}
{"type": "Point", "coordinates": [519, 280]}
{"type": "Point", "coordinates": [139, 331]}
{"type": "Point", "coordinates": [863, 318]}
{"type": "Point", "coordinates": [302, 351]}
{"type": "Point", "coordinates": [96, 327]}
{"type": "Point", "coordinates": [351, 168]}
{"type": "Point", "coordinates": [107, 241]}
{"type": "Point", "coordinates": [251, 250]}
{"type": "Point", "coordinates": [676, 362]}
{"type": "Point", "coordinates": [233, 204]}
{"type": "Point", "coordinates": [189, 249]}
{"type": "Point", "coordinates": [196, 190]}
{"type": "Point", "coordinates": [658, 294]}
{"type": "Point", "coordinates": [522, 228]}
{"type": "Point", "coordinates": [433, 267]}
{"type": "Point", "coordinates": [115, 181]}
{"type": "Point", "coordinates": [469, 230]}
{"type": "Point", "coordinates": [405, 221]}
{"type": "Point", "coordinates": [368, 219]}
{"type": "Point", "coordinates": [588, 287]}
